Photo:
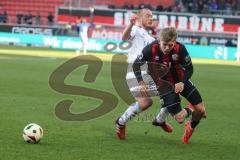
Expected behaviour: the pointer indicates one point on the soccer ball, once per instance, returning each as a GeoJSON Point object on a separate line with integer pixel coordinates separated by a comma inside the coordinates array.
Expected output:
{"type": "Point", "coordinates": [32, 133]}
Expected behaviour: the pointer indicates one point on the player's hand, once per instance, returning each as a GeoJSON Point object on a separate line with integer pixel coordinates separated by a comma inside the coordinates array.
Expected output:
{"type": "Point", "coordinates": [133, 19]}
{"type": "Point", "coordinates": [143, 89]}
{"type": "Point", "coordinates": [179, 87]}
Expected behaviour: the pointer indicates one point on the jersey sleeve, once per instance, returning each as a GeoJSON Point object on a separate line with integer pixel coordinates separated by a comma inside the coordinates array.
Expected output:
{"type": "Point", "coordinates": [140, 60]}
{"type": "Point", "coordinates": [185, 58]}
{"type": "Point", "coordinates": [186, 63]}
{"type": "Point", "coordinates": [134, 32]}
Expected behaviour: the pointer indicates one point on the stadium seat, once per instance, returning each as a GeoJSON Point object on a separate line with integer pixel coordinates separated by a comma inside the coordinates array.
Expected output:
{"type": "Point", "coordinates": [13, 7]}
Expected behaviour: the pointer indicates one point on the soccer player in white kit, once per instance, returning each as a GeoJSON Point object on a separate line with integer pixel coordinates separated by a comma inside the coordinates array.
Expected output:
{"type": "Point", "coordinates": [137, 33]}
{"type": "Point", "coordinates": [83, 33]}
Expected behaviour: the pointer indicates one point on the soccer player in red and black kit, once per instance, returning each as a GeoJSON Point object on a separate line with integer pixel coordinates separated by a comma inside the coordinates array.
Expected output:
{"type": "Point", "coordinates": [165, 53]}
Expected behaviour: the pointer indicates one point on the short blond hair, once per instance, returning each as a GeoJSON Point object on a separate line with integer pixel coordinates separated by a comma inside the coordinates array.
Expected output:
{"type": "Point", "coordinates": [168, 34]}
{"type": "Point", "coordinates": [141, 11]}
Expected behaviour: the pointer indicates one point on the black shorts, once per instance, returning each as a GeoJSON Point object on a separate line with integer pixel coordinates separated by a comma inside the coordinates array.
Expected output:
{"type": "Point", "coordinates": [172, 100]}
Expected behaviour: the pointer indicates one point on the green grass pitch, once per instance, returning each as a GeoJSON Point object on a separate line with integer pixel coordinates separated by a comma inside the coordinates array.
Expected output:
{"type": "Point", "coordinates": [25, 96]}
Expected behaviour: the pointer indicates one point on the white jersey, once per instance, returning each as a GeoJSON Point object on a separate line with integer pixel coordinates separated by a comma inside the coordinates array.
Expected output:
{"type": "Point", "coordinates": [83, 31]}
{"type": "Point", "coordinates": [139, 39]}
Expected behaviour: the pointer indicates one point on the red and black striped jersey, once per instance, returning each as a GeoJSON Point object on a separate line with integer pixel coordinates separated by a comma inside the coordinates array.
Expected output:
{"type": "Point", "coordinates": [173, 67]}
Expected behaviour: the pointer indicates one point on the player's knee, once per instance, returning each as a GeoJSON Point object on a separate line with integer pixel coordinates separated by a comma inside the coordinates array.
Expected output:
{"type": "Point", "coordinates": [145, 103]}
{"type": "Point", "coordinates": [148, 102]}
{"type": "Point", "coordinates": [180, 117]}
{"type": "Point", "coordinates": [200, 109]}
{"type": "Point", "coordinates": [180, 120]}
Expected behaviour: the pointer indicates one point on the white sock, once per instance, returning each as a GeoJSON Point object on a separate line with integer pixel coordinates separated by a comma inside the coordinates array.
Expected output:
{"type": "Point", "coordinates": [132, 111]}
{"type": "Point", "coordinates": [162, 115]}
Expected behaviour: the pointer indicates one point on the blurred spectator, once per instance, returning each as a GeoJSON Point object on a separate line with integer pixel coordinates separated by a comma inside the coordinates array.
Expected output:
{"type": "Point", "coordinates": [149, 6]}
{"type": "Point", "coordinates": [194, 40]}
{"type": "Point", "coordinates": [1, 17]}
{"type": "Point", "coordinates": [28, 18]}
{"type": "Point", "coordinates": [200, 6]}
{"type": "Point", "coordinates": [111, 6]}
{"type": "Point", "coordinates": [180, 7]}
{"type": "Point", "coordinates": [4, 17]}
{"type": "Point", "coordinates": [169, 9]}
{"type": "Point", "coordinates": [195, 6]}
{"type": "Point", "coordinates": [191, 6]}
{"type": "Point", "coordinates": [205, 9]}
{"type": "Point", "coordinates": [127, 5]}
{"type": "Point", "coordinates": [221, 5]}
{"type": "Point", "coordinates": [234, 5]}
{"type": "Point", "coordinates": [159, 8]}
{"type": "Point", "coordinates": [37, 19]}
{"type": "Point", "coordinates": [228, 8]}
{"type": "Point", "coordinates": [19, 18]}
{"type": "Point", "coordinates": [238, 5]}
{"type": "Point", "coordinates": [203, 41]}
{"type": "Point", "coordinates": [205, 1]}
{"type": "Point", "coordinates": [50, 18]}
{"type": "Point", "coordinates": [188, 5]}
{"type": "Point", "coordinates": [213, 6]}
{"type": "Point", "coordinates": [141, 6]}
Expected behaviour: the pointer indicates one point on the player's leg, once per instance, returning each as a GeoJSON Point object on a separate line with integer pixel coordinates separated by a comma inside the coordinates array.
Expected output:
{"type": "Point", "coordinates": [134, 109]}
{"type": "Point", "coordinates": [84, 40]}
{"type": "Point", "coordinates": [85, 43]}
{"type": "Point", "coordinates": [197, 115]}
{"type": "Point", "coordinates": [137, 107]}
{"type": "Point", "coordinates": [191, 93]}
{"type": "Point", "coordinates": [141, 104]}
{"type": "Point", "coordinates": [163, 114]}
{"type": "Point", "coordinates": [171, 102]}
{"type": "Point", "coordinates": [131, 111]}
{"type": "Point", "coordinates": [160, 120]}
{"type": "Point", "coordinates": [79, 48]}
{"type": "Point", "coordinates": [190, 106]}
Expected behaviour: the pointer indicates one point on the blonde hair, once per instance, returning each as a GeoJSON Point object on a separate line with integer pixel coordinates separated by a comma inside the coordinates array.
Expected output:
{"type": "Point", "coordinates": [168, 34]}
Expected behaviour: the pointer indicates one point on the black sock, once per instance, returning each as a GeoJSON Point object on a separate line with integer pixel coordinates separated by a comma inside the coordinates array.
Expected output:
{"type": "Point", "coordinates": [189, 112]}
{"type": "Point", "coordinates": [194, 124]}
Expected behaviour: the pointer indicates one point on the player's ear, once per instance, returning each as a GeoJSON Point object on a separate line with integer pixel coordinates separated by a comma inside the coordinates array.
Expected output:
{"type": "Point", "coordinates": [174, 42]}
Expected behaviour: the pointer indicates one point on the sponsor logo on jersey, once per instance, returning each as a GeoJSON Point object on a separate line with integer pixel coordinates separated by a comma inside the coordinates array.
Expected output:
{"type": "Point", "coordinates": [187, 58]}
{"type": "Point", "coordinates": [175, 57]}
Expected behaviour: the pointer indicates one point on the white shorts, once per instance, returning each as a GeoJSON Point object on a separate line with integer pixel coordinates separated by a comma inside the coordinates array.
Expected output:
{"type": "Point", "coordinates": [134, 86]}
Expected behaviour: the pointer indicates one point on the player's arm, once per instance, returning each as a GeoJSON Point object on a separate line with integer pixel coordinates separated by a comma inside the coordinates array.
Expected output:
{"type": "Point", "coordinates": [127, 31]}
{"type": "Point", "coordinates": [186, 63]}
{"type": "Point", "coordinates": [140, 60]}
{"type": "Point", "coordinates": [137, 67]}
